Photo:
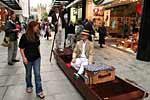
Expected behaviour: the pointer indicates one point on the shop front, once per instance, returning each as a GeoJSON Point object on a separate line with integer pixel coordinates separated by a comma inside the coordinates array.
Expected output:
{"type": "Point", "coordinates": [120, 17]}
{"type": "Point", "coordinates": [87, 9]}
{"type": "Point", "coordinates": [95, 10]}
{"type": "Point", "coordinates": [125, 24]}
{"type": "Point", "coordinates": [76, 13]}
{"type": "Point", "coordinates": [76, 10]}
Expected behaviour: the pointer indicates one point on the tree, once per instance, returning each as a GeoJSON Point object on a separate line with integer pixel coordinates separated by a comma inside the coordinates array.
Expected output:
{"type": "Point", "coordinates": [45, 16]}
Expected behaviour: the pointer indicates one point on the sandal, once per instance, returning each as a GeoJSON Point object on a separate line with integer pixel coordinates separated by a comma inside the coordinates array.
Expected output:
{"type": "Point", "coordinates": [41, 95]}
{"type": "Point", "coordinates": [29, 90]}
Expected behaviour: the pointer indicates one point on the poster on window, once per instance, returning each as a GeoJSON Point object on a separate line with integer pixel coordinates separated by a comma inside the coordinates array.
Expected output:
{"type": "Point", "coordinates": [107, 17]}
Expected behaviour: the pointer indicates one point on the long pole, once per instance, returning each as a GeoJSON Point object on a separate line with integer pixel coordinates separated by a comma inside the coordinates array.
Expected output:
{"type": "Point", "coordinates": [52, 47]}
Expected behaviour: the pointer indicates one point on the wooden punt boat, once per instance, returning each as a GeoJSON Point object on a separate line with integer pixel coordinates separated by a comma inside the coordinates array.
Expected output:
{"type": "Point", "coordinates": [118, 89]}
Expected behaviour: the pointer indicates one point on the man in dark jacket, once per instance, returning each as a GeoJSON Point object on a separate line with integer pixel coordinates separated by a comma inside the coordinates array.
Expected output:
{"type": "Point", "coordinates": [102, 34]}
{"type": "Point", "coordinates": [11, 32]}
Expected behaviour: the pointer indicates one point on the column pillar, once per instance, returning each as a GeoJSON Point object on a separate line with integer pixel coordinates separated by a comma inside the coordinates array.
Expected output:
{"type": "Point", "coordinates": [83, 9]}
{"type": "Point", "coordinates": [143, 52]}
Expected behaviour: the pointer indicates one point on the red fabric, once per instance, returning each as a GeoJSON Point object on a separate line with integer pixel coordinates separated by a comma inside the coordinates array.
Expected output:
{"type": "Point", "coordinates": [139, 9]}
{"type": "Point", "coordinates": [17, 26]}
{"type": "Point", "coordinates": [68, 65]}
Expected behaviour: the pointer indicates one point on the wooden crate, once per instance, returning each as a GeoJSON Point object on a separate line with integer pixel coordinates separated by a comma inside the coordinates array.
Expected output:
{"type": "Point", "coordinates": [101, 76]}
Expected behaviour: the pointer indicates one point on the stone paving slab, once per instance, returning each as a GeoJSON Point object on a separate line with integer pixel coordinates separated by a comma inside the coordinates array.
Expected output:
{"type": "Point", "coordinates": [68, 96]}
{"type": "Point", "coordinates": [2, 92]}
{"type": "Point", "coordinates": [3, 80]}
{"type": "Point", "coordinates": [59, 87]}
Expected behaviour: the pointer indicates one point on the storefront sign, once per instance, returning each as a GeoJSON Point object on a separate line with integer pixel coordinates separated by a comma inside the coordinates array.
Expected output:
{"type": "Point", "coordinates": [97, 1]}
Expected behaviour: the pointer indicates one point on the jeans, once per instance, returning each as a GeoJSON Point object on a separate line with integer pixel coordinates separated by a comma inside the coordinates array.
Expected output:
{"type": "Point", "coordinates": [36, 67]}
{"type": "Point", "coordinates": [12, 51]}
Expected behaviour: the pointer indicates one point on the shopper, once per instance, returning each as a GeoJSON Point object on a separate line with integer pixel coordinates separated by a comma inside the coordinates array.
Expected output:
{"type": "Point", "coordinates": [47, 30]}
{"type": "Point", "coordinates": [102, 34]}
{"type": "Point", "coordinates": [30, 51]}
{"type": "Point", "coordinates": [11, 32]}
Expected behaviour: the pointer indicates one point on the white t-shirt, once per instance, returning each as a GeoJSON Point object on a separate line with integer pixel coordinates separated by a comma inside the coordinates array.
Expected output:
{"type": "Point", "coordinates": [83, 50]}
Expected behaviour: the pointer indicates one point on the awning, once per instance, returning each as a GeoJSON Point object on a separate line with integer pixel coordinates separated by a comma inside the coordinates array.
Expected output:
{"type": "Point", "coordinates": [116, 3]}
{"type": "Point", "coordinates": [72, 3]}
{"type": "Point", "coordinates": [11, 4]}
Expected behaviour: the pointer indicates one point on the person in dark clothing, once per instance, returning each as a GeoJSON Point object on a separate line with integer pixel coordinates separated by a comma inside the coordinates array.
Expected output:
{"type": "Point", "coordinates": [78, 30]}
{"type": "Point", "coordinates": [47, 30]}
{"type": "Point", "coordinates": [11, 32]}
{"type": "Point", "coordinates": [125, 31]}
{"type": "Point", "coordinates": [89, 26]}
{"type": "Point", "coordinates": [102, 33]}
{"type": "Point", "coordinates": [30, 51]}
{"type": "Point", "coordinates": [70, 35]}
{"type": "Point", "coordinates": [71, 28]}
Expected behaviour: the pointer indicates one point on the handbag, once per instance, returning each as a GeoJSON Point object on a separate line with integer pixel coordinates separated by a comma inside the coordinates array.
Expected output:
{"type": "Point", "coordinates": [6, 41]}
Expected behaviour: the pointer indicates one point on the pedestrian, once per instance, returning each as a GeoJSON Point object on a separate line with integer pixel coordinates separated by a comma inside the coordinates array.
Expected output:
{"type": "Point", "coordinates": [125, 31]}
{"type": "Point", "coordinates": [11, 32]}
{"type": "Point", "coordinates": [83, 54]}
{"type": "Point", "coordinates": [47, 30]}
{"type": "Point", "coordinates": [102, 33]}
{"type": "Point", "coordinates": [30, 51]}
{"type": "Point", "coordinates": [78, 30]}
{"type": "Point", "coordinates": [70, 35]}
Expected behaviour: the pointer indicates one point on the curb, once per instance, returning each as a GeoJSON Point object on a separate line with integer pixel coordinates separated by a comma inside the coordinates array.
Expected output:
{"type": "Point", "coordinates": [134, 54]}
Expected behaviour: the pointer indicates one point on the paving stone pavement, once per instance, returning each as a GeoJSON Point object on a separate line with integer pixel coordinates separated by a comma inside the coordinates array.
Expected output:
{"type": "Point", "coordinates": [56, 85]}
